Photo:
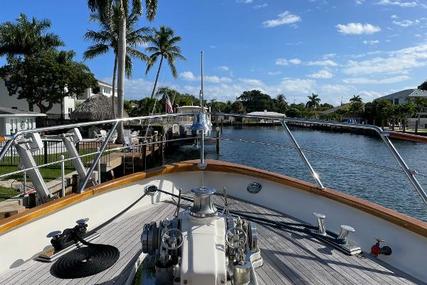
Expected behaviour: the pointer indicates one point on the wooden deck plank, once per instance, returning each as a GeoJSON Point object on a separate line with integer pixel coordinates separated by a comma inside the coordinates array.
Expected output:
{"type": "Point", "coordinates": [118, 233]}
{"type": "Point", "coordinates": [289, 258]}
{"type": "Point", "coordinates": [358, 270]}
{"type": "Point", "coordinates": [314, 270]}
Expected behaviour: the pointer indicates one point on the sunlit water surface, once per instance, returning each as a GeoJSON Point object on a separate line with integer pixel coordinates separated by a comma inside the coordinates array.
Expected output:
{"type": "Point", "coordinates": [355, 164]}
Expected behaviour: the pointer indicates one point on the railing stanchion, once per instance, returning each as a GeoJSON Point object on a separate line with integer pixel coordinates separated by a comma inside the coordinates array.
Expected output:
{"type": "Point", "coordinates": [301, 153]}
{"type": "Point", "coordinates": [62, 157]}
{"type": "Point", "coordinates": [98, 157]}
{"type": "Point", "coordinates": [25, 182]}
{"type": "Point", "coordinates": [99, 168]}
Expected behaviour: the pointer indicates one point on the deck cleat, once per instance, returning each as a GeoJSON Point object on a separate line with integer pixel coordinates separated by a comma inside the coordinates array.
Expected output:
{"type": "Point", "coordinates": [320, 223]}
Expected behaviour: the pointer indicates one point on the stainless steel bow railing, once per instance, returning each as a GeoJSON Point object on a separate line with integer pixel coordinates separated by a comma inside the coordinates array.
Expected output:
{"type": "Point", "coordinates": [384, 135]}
{"type": "Point", "coordinates": [114, 122]}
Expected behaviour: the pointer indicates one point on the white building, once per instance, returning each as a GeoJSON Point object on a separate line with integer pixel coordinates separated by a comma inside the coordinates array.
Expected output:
{"type": "Point", "coordinates": [12, 121]}
{"type": "Point", "coordinates": [69, 102]}
{"type": "Point", "coordinates": [403, 97]}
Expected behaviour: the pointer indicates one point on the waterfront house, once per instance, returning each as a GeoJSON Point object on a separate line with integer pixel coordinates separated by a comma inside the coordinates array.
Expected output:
{"type": "Point", "coordinates": [13, 120]}
{"type": "Point", "coordinates": [404, 96]}
{"type": "Point", "coordinates": [69, 103]}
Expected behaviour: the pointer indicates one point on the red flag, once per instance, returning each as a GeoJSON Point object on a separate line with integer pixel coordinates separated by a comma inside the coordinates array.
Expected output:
{"type": "Point", "coordinates": [168, 105]}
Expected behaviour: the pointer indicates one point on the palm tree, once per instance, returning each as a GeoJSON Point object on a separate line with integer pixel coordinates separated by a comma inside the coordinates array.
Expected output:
{"type": "Point", "coordinates": [26, 37]}
{"type": "Point", "coordinates": [313, 101]}
{"type": "Point", "coordinates": [107, 38]}
{"type": "Point", "coordinates": [104, 7]}
{"type": "Point", "coordinates": [356, 98]}
{"type": "Point", "coordinates": [164, 45]}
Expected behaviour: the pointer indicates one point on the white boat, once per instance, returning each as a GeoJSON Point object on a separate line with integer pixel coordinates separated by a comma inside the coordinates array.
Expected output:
{"type": "Point", "coordinates": [185, 123]}
{"type": "Point", "coordinates": [210, 222]}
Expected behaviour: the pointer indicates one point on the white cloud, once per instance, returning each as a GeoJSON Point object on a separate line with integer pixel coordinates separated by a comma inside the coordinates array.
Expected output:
{"type": "Point", "coordinates": [297, 86]}
{"type": "Point", "coordinates": [189, 76]}
{"type": "Point", "coordinates": [295, 61]}
{"type": "Point", "coordinates": [400, 61]}
{"type": "Point", "coordinates": [321, 74]}
{"type": "Point", "coordinates": [326, 62]}
{"type": "Point", "coordinates": [274, 72]}
{"type": "Point", "coordinates": [260, 6]}
{"type": "Point", "coordinates": [216, 79]}
{"type": "Point", "coordinates": [357, 29]}
{"type": "Point", "coordinates": [400, 3]}
{"type": "Point", "coordinates": [223, 68]}
{"type": "Point", "coordinates": [371, 43]}
{"type": "Point", "coordinates": [388, 80]}
{"type": "Point", "coordinates": [284, 61]}
{"type": "Point", "coordinates": [360, 2]}
{"type": "Point", "coordinates": [285, 18]}
{"type": "Point", "coordinates": [245, 1]}
{"type": "Point", "coordinates": [406, 23]}
{"type": "Point", "coordinates": [336, 89]}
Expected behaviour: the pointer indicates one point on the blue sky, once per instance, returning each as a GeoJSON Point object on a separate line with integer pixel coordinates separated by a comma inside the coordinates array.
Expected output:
{"type": "Point", "coordinates": [334, 48]}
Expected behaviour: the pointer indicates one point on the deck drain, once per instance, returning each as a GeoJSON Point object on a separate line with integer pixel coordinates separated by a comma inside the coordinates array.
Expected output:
{"type": "Point", "coordinates": [85, 261]}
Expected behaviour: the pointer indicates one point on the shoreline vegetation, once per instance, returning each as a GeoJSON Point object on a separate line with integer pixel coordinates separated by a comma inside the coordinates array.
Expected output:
{"type": "Point", "coordinates": [380, 112]}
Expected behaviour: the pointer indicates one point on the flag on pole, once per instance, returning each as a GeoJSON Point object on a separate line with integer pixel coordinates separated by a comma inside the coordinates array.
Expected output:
{"type": "Point", "coordinates": [168, 105]}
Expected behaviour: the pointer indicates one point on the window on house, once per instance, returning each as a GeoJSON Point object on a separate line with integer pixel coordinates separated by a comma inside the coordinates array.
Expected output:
{"type": "Point", "coordinates": [70, 110]}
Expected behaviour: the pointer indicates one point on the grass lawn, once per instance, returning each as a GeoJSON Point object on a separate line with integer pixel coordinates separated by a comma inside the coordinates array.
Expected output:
{"type": "Point", "coordinates": [6, 193]}
{"type": "Point", "coordinates": [48, 173]}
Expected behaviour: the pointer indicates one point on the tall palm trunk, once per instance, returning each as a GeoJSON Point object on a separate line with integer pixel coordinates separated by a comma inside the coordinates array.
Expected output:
{"type": "Point", "coordinates": [113, 94]}
{"type": "Point", "coordinates": [121, 69]}
{"type": "Point", "coordinates": [157, 77]}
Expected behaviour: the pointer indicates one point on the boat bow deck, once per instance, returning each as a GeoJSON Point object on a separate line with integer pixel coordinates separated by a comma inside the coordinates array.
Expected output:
{"type": "Point", "coordinates": [289, 258]}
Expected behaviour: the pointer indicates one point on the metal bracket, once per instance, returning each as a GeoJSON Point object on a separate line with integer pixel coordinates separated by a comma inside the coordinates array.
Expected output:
{"type": "Point", "coordinates": [24, 148]}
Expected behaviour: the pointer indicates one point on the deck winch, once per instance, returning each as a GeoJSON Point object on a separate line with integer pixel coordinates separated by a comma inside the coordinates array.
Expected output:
{"type": "Point", "coordinates": [202, 246]}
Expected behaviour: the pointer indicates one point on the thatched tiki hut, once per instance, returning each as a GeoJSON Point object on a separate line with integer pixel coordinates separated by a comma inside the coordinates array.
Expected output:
{"type": "Point", "coordinates": [97, 107]}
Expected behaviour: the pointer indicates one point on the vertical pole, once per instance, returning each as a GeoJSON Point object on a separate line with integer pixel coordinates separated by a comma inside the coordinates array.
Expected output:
{"type": "Point", "coordinates": [217, 139]}
{"type": "Point", "coordinates": [202, 143]}
{"type": "Point", "coordinates": [99, 168]}
{"type": "Point", "coordinates": [25, 182]}
{"type": "Point", "coordinates": [62, 175]}
{"type": "Point", "coordinates": [45, 151]}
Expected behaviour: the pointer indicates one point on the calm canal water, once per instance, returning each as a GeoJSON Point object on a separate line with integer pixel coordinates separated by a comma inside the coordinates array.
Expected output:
{"type": "Point", "coordinates": [355, 164]}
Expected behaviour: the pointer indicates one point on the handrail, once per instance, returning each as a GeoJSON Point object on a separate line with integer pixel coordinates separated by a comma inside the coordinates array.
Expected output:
{"type": "Point", "coordinates": [384, 135]}
{"type": "Point", "coordinates": [85, 124]}
{"type": "Point", "coordinates": [92, 153]}
{"type": "Point", "coordinates": [301, 153]}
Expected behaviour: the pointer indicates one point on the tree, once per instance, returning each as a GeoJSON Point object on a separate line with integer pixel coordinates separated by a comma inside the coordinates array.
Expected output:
{"type": "Point", "coordinates": [163, 45]}
{"type": "Point", "coordinates": [237, 107]}
{"type": "Point", "coordinates": [104, 8]}
{"type": "Point", "coordinates": [355, 108]}
{"type": "Point", "coordinates": [255, 100]}
{"type": "Point", "coordinates": [280, 104]}
{"type": "Point", "coordinates": [26, 37]}
{"type": "Point", "coordinates": [356, 98]}
{"type": "Point", "coordinates": [45, 79]}
{"type": "Point", "coordinates": [313, 101]}
{"type": "Point", "coordinates": [107, 38]}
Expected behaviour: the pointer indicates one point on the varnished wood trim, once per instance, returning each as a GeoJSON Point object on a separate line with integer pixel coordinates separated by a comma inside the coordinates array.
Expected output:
{"type": "Point", "coordinates": [392, 216]}
{"type": "Point", "coordinates": [408, 137]}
